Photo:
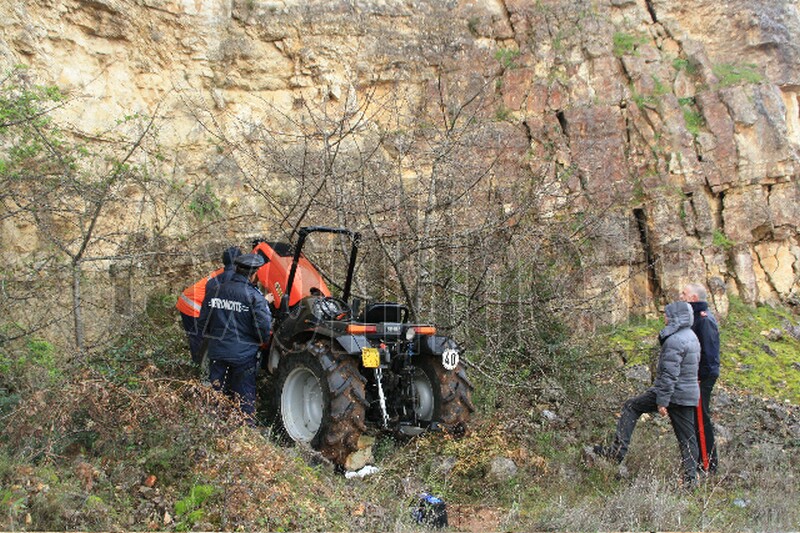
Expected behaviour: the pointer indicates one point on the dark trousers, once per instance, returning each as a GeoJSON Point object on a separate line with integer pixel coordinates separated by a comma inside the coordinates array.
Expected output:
{"type": "Point", "coordinates": [195, 337]}
{"type": "Point", "coordinates": [682, 418]}
{"type": "Point", "coordinates": [237, 380]}
{"type": "Point", "coordinates": [706, 386]}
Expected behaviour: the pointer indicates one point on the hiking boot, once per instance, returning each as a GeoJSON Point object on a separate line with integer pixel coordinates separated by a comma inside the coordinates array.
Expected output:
{"type": "Point", "coordinates": [690, 485]}
{"type": "Point", "coordinates": [607, 452]}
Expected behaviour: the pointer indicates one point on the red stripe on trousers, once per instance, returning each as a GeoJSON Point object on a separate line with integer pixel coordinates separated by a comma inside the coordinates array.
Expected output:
{"type": "Point", "coordinates": [701, 432]}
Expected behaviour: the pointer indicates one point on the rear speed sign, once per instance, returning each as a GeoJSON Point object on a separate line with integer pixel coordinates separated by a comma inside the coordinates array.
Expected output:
{"type": "Point", "coordinates": [450, 359]}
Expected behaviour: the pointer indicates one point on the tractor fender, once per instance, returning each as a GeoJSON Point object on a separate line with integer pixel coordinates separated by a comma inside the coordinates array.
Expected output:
{"type": "Point", "coordinates": [352, 344]}
{"type": "Point", "coordinates": [435, 344]}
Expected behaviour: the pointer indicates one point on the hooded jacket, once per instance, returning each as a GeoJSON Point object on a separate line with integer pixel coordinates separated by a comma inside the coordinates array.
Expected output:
{"type": "Point", "coordinates": [676, 376]}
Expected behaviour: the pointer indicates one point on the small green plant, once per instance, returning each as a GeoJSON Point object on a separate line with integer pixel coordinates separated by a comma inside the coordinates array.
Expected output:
{"type": "Point", "coordinates": [558, 41]}
{"type": "Point", "coordinates": [42, 354]}
{"type": "Point", "coordinates": [643, 100]}
{"type": "Point", "coordinates": [660, 88]}
{"type": "Point", "coordinates": [721, 240]}
{"type": "Point", "coordinates": [684, 65]}
{"type": "Point", "coordinates": [12, 503]}
{"type": "Point", "coordinates": [729, 74]}
{"type": "Point", "coordinates": [693, 120]}
{"type": "Point", "coordinates": [189, 510]}
{"type": "Point", "coordinates": [626, 44]}
{"type": "Point", "coordinates": [506, 57]}
{"type": "Point", "coordinates": [205, 204]}
{"type": "Point", "coordinates": [502, 113]}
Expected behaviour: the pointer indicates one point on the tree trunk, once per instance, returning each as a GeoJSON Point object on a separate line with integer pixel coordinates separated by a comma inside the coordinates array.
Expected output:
{"type": "Point", "coordinates": [77, 305]}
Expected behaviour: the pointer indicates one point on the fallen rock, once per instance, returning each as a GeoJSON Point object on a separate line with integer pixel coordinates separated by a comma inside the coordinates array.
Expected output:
{"type": "Point", "coordinates": [791, 329]}
{"type": "Point", "coordinates": [502, 469]}
{"type": "Point", "coordinates": [444, 465]}
{"type": "Point", "coordinates": [359, 459]}
{"type": "Point", "coordinates": [550, 416]}
{"type": "Point", "coordinates": [775, 334]}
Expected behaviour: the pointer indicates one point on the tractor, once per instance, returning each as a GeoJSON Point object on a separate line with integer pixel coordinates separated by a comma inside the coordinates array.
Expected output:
{"type": "Point", "coordinates": [338, 366]}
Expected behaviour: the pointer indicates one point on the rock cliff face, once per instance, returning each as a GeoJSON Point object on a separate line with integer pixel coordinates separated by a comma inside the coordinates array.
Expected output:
{"type": "Point", "coordinates": [673, 124]}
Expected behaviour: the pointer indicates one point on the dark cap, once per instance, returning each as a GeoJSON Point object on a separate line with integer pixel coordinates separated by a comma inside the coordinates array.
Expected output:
{"type": "Point", "coordinates": [230, 254]}
{"type": "Point", "coordinates": [249, 262]}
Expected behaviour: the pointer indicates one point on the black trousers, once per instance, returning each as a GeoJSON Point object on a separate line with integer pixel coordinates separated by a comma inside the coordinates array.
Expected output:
{"type": "Point", "coordinates": [237, 380]}
{"type": "Point", "coordinates": [195, 337]}
{"type": "Point", "coordinates": [706, 386]}
{"type": "Point", "coordinates": [682, 418]}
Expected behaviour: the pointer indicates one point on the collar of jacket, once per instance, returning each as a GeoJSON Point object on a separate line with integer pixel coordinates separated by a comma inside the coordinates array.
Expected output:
{"type": "Point", "coordinates": [699, 307]}
{"type": "Point", "coordinates": [240, 278]}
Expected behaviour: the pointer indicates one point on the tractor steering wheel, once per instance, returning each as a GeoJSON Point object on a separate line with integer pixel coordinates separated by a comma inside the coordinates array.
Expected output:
{"type": "Point", "coordinates": [332, 308]}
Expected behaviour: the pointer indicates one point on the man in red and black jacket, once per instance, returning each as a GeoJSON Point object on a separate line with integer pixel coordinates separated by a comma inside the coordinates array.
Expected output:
{"type": "Point", "coordinates": [707, 330]}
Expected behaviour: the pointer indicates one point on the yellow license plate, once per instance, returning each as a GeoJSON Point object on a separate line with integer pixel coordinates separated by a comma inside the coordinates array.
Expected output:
{"type": "Point", "coordinates": [370, 357]}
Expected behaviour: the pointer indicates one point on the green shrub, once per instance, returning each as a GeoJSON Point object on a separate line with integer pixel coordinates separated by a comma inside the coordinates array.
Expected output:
{"type": "Point", "coordinates": [625, 43]}
{"type": "Point", "coordinates": [729, 74]}
{"type": "Point", "coordinates": [27, 364]}
{"type": "Point", "coordinates": [506, 57]}
{"type": "Point", "coordinates": [205, 204]}
{"type": "Point", "coordinates": [693, 121]}
{"type": "Point", "coordinates": [685, 65]}
{"type": "Point", "coordinates": [721, 240]}
{"type": "Point", "coordinates": [189, 510]}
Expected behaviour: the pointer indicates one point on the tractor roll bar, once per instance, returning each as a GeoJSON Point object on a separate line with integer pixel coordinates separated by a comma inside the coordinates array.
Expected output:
{"type": "Point", "coordinates": [304, 232]}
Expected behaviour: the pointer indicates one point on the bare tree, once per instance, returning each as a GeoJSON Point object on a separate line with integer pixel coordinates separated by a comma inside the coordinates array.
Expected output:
{"type": "Point", "coordinates": [78, 199]}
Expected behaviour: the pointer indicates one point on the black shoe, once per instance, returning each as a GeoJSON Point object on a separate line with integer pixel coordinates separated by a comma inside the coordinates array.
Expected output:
{"type": "Point", "coordinates": [607, 452]}
{"type": "Point", "coordinates": [689, 485]}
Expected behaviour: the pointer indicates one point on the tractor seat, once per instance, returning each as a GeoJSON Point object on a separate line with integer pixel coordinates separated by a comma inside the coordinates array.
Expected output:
{"type": "Point", "coordinates": [384, 312]}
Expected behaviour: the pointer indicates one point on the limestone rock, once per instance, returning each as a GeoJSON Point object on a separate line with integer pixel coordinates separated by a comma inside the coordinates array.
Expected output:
{"type": "Point", "coordinates": [502, 469]}
{"type": "Point", "coordinates": [658, 127]}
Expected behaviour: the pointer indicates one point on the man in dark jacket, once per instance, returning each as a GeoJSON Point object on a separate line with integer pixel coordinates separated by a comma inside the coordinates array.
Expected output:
{"type": "Point", "coordinates": [236, 321]}
{"type": "Point", "coordinates": [707, 330]}
{"type": "Point", "coordinates": [675, 392]}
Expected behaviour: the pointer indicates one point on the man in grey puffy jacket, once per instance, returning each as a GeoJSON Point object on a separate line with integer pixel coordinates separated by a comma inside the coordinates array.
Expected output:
{"type": "Point", "coordinates": [675, 392]}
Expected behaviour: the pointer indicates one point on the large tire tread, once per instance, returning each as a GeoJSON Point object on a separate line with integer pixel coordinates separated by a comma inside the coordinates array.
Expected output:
{"type": "Point", "coordinates": [343, 421]}
{"type": "Point", "coordinates": [348, 403]}
{"type": "Point", "coordinates": [456, 404]}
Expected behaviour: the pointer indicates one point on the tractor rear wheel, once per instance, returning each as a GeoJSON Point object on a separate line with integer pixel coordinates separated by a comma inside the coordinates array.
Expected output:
{"type": "Point", "coordinates": [320, 399]}
{"type": "Point", "coordinates": [443, 396]}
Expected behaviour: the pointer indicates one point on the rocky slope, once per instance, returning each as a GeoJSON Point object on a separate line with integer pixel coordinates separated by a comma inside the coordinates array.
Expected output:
{"type": "Point", "coordinates": [672, 125]}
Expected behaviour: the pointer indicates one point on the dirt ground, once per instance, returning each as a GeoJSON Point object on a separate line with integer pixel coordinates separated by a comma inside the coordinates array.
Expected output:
{"type": "Point", "coordinates": [474, 518]}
